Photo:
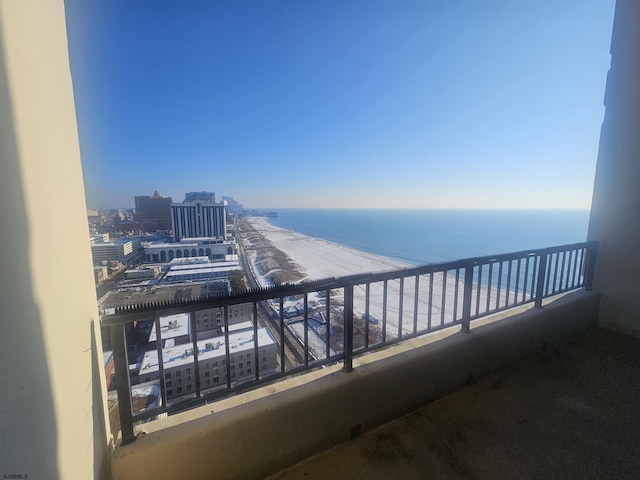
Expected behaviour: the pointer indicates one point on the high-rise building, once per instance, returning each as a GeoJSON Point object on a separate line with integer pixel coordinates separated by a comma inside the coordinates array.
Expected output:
{"type": "Point", "coordinates": [232, 205]}
{"type": "Point", "coordinates": [153, 212]}
{"type": "Point", "coordinates": [198, 216]}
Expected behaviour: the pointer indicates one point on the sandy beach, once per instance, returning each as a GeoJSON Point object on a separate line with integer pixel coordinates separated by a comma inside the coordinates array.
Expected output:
{"type": "Point", "coordinates": [318, 258]}
{"type": "Point", "coordinates": [275, 253]}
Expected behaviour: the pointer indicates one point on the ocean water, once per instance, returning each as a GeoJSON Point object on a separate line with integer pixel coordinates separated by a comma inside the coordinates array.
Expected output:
{"type": "Point", "coordinates": [429, 236]}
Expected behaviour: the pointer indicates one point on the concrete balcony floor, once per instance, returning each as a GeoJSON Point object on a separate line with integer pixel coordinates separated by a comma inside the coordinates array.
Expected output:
{"type": "Point", "coordinates": [571, 411]}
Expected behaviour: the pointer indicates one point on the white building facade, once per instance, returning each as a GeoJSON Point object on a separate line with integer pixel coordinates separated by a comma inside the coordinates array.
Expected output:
{"type": "Point", "coordinates": [214, 248]}
{"type": "Point", "coordinates": [123, 250]}
{"type": "Point", "coordinates": [198, 216]}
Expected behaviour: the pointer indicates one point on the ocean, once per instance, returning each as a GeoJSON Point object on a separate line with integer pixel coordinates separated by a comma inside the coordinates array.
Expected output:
{"type": "Point", "coordinates": [417, 236]}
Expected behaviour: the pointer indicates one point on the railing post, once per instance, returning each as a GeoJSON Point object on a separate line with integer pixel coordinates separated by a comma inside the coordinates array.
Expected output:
{"type": "Point", "coordinates": [590, 267]}
{"type": "Point", "coordinates": [348, 327]}
{"type": "Point", "coordinates": [542, 270]}
{"type": "Point", "coordinates": [466, 298]}
{"type": "Point", "coordinates": [123, 386]}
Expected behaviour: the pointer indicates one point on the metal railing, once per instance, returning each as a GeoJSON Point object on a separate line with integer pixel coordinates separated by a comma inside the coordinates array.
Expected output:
{"type": "Point", "coordinates": [302, 327]}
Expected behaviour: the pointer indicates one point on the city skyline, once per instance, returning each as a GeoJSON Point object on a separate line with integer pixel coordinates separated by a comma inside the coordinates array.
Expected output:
{"type": "Point", "coordinates": [363, 104]}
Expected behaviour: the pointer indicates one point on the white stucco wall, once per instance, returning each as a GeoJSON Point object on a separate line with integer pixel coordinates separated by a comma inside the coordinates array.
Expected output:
{"type": "Point", "coordinates": [615, 212]}
{"type": "Point", "coordinates": [51, 416]}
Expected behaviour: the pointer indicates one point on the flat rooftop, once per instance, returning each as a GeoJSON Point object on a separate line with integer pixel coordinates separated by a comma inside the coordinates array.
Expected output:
{"type": "Point", "coordinates": [210, 348]}
{"type": "Point", "coordinates": [139, 294]}
{"type": "Point", "coordinates": [213, 266]}
{"type": "Point", "coordinates": [171, 326]}
{"type": "Point", "coordinates": [571, 412]}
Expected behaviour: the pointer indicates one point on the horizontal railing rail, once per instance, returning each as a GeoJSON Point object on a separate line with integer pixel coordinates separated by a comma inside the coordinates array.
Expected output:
{"type": "Point", "coordinates": [296, 328]}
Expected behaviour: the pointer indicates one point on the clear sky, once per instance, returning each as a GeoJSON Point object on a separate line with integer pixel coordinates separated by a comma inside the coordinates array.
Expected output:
{"type": "Point", "coordinates": [341, 103]}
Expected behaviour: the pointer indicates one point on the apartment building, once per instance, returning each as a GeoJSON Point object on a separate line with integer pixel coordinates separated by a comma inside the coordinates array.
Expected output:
{"type": "Point", "coordinates": [179, 367]}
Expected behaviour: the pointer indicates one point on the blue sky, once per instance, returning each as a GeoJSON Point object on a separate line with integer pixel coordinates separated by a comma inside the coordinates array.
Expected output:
{"type": "Point", "coordinates": [430, 104]}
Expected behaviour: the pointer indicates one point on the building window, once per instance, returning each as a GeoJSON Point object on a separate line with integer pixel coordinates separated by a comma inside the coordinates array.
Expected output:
{"type": "Point", "coordinates": [188, 370]}
{"type": "Point", "coordinates": [179, 389]}
{"type": "Point", "coordinates": [248, 371]}
{"type": "Point", "coordinates": [248, 363]}
{"type": "Point", "coordinates": [233, 376]}
{"type": "Point", "coordinates": [168, 383]}
{"type": "Point", "coordinates": [214, 364]}
{"type": "Point", "coordinates": [167, 375]}
{"type": "Point", "coordinates": [240, 364]}
{"type": "Point", "coordinates": [169, 392]}
{"type": "Point", "coordinates": [178, 373]}
{"type": "Point", "coordinates": [188, 387]}
{"type": "Point", "coordinates": [215, 380]}
{"type": "Point", "coordinates": [206, 374]}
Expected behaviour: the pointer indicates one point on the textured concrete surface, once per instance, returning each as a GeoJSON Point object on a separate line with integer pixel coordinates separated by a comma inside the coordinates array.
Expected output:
{"type": "Point", "coordinates": [571, 411]}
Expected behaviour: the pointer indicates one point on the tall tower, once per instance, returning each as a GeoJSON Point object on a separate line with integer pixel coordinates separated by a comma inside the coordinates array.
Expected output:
{"type": "Point", "coordinates": [153, 213]}
{"type": "Point", "coordinates": [198, 216]}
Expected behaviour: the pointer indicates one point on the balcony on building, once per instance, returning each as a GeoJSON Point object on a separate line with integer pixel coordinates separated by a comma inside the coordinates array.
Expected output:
{"type": "Point", "coordinates": [542, 387]}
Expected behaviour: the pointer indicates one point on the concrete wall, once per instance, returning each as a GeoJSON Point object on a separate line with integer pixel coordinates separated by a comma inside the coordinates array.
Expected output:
{"type": "Point", "coordinates": [263, 436]}
{"type": "Point", "coordinates": [51, 389]}
{"type": "Point", "coordinates": [615, 211]}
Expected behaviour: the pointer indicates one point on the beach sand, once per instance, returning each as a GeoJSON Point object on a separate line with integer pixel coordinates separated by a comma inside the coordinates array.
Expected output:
{"type": "Point", "coordinates": [413, 304]}
{"type": "Point", "coordinates": [318, 259]}
{"type": "Point", "coordinates": [273, 250]}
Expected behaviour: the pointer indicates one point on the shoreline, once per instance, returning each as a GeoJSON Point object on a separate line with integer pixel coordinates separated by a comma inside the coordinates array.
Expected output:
{"type": "Point", "coordinates": [276, 253]}
{"type": "Point", "coordinates": [314, 258]}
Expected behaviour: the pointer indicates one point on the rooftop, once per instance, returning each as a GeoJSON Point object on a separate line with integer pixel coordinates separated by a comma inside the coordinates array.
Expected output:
{"type": "Point", "coordinates": [210, 348]}
{"type": "Point", "coordinates": [171, 326]}
{"type": "Point", "coordinates": [141, 294]}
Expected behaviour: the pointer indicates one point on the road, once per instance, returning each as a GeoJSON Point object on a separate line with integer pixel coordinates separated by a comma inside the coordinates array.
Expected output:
{"type": "Point", "coordinates": [267, 318]}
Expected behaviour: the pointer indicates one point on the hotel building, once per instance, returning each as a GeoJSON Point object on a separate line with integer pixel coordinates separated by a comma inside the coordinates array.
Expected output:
{"type": "Point", "coordinates": [179, 369]}
{"type": "Point", "coordinates": [198, 216]}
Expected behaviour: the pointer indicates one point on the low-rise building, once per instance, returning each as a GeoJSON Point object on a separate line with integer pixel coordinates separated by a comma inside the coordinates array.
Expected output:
{"type": "Point", "coordinates": [179, 367]}
{"type": "Point", "coordinates": [201, 271]}
{"type": "Point", "coordinates": [142, 273]}
{"type": "Point", "coordinates": [122, 250]}
{"type": "Point", "coordinates": [211, 247]}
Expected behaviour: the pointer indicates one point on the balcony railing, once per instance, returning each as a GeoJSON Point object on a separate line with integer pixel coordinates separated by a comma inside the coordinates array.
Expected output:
{"type": "Point", "coordinates": [296, 328]}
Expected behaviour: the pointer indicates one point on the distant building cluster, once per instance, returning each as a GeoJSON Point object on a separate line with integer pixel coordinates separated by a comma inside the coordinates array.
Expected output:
{"type": "Point", "coordinates": [232, 205]}
{"type": "Point", "coordinates": [178, 251]}
{"type": "Point", "coordinates": [159, 230]}
{"type": "Point", "coordinates": [153, 214]}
